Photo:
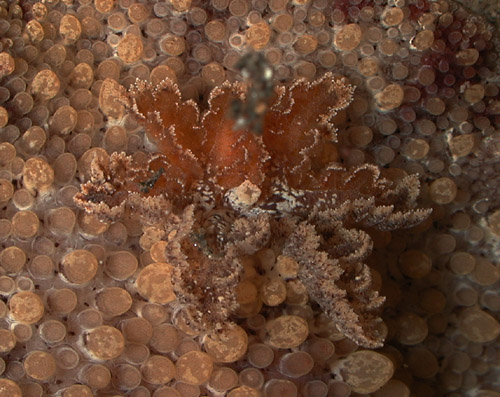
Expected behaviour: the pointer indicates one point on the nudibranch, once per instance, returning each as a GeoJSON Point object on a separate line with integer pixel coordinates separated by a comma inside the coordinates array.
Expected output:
{"type": "Point", "coordinates": [218, 194]}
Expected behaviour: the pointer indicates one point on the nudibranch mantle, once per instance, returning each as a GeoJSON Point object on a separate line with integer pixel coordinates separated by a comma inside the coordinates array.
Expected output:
{"type": "Point", "coordinates": [217, 194]}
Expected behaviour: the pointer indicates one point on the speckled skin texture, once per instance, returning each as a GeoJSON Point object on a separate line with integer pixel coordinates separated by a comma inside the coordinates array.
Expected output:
{"type": "Point", "coordinates": [312, 216]}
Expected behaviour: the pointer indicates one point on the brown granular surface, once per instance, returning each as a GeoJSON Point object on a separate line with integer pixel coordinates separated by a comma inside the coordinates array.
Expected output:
{"type": "Point", "coordinates": [226, 298]}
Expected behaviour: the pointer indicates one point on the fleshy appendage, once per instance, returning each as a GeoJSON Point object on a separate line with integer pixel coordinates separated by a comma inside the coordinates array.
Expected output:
{"type": "Point", "coordinates": [217, 194]}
